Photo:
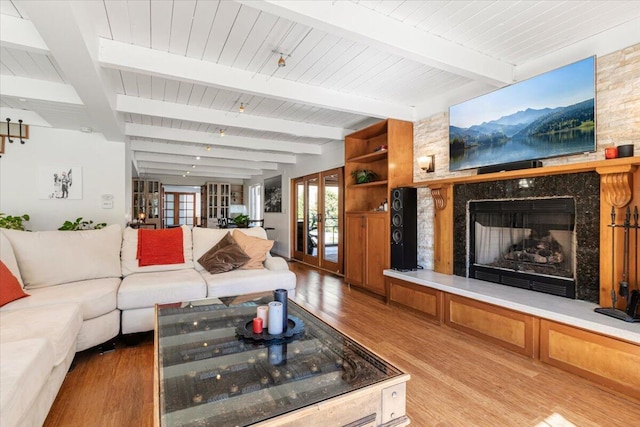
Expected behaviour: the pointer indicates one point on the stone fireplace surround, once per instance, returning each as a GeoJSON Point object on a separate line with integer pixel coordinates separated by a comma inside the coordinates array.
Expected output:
{"type": "Point", "coordinates": [583, 187]}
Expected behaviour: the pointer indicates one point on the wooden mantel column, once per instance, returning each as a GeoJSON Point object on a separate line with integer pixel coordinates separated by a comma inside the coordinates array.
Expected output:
{"type": "Point", "coordinates": [443, 228]}
{"type": "Point", "coordinates": [617, 185]}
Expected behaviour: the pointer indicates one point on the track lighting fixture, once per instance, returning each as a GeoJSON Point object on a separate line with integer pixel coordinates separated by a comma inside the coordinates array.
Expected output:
{"type": "Point", "coordinates": [208, 148]}
{"type": "Point", "coordinates": [241, 109]}
{"type": "Point", "coordinates": [221, 132]}
{"type": "Point", "coordinates": [281, 62]}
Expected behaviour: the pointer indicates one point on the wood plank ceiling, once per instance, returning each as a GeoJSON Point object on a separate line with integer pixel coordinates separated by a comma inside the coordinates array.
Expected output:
{"type": "Point", "coordinates": [170, 76]}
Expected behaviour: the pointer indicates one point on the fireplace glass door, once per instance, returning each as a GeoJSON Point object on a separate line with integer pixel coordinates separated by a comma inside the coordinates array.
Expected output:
{"type": "Point", "coordinates": [524, 243]}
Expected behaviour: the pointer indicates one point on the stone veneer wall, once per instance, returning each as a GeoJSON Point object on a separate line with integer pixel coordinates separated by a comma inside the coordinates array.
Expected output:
{"type": "Point", "coordinates": [617, 122]}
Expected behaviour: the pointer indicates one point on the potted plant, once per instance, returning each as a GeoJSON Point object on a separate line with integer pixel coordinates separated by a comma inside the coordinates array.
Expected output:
{"type": "Point", "coordinates": [241, 221]}
{"type": "Point", "coordinates": [363, 175]}
{"type": "Point", "coordinates": [13, 222]}
{"type": "Point", "coordinates": [79, 224]}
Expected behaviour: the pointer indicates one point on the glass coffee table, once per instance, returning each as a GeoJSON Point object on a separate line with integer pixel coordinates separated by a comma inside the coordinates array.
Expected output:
{"type": "Point", "coordinates": [208, 373]}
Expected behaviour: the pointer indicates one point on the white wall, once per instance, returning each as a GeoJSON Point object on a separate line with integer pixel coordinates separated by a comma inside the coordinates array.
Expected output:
{"type": "Point", "coordinates": [103, 173]}
{"type": "Point", "coordinates": [332, 157]}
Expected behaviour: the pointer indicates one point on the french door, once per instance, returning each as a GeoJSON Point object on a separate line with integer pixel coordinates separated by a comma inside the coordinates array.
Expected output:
{"type": "Point", "coordinates": [179, 209]}
{"type": "Point", "coordinates": [317, 228]}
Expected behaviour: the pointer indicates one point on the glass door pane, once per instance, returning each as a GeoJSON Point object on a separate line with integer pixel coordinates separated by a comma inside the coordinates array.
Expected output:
{"type": "Point", "coordinates": [187, 209]}
{"type": "Point", "coordinates": [299, 215]}
{"type": "Point", "coordinates": [312, 224]}
{"type": "Point", "coordinates": [169, 211]}
{"type": "Point", "coordinates": [330, 218]}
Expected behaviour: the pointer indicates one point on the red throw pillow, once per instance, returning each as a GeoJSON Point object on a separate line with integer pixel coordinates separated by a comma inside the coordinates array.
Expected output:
{"type": "Point", "coordinates": [160, 247]}
{"type": "Point", "coordinates": [10, 289]}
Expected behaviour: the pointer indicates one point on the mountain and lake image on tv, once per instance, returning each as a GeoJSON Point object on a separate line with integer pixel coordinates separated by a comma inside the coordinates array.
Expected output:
{"type": "Point", "coordinates": [549, 115]}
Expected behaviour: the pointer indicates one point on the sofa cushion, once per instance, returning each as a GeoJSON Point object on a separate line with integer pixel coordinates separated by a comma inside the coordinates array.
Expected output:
{"type": "Point", "coordinates": [9, 258]}
{"type": "Point", "coordinates": [256, 247]}
{"type": "Point", "coordinates": [25, 369]}
{"type": "Point", "coordinates": [59, 324]}
{"type": "Point", "coordinates": [130, 252]}
{"type": "Point", "coordinates": [240, 282]}
{"type": "Point", "coordinates": [10, 289]}
{"type": "Point", "coordinates": [226, 255]}
{"type": "Point", "coordinates": [48, 258]}
{"type": "Point", "coordinates": [95, 297]}
{"type": "Point", "coordinates": [203, 240]}
{"type": "Point", "coordinates": [147, 289]}
{"type": "Point", "coordinates": [157, 247]}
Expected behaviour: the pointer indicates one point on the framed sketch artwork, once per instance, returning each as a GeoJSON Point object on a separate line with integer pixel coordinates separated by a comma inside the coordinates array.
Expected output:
{"type": "Point", "coordinates": [273, 194]}
{"type": "Point", "coordinates": [60, 182]}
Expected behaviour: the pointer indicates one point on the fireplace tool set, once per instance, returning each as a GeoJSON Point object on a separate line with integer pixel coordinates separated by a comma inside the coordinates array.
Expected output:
{"type": "Point", "coordinates": [631, 296]}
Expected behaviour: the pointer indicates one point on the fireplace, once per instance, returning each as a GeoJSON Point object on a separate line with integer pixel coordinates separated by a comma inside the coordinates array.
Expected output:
{"type": "Point", "coordinates": [580, 269]}
{"type": "Point", "coordinates": [527, 243]}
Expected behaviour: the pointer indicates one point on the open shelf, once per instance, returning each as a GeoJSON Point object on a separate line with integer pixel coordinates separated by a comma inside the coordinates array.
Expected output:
{"type": "Point", "coordinates": [369, 158]}
{"type": "Point", "coordinates": [369, 184]}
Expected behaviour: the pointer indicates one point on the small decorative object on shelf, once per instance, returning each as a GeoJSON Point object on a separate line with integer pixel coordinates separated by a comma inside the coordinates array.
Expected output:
{"type": "Point", "coordinates": [363, 176]}
{"type": "Point", "coordinates": [625, 150]}
{"type": "Point", "coordinates": [610, 152]}
{"type": "Point", "coordinates": [380, 148]}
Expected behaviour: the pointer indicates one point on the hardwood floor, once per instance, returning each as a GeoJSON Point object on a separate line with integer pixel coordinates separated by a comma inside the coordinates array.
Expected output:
{"type": "Point", "coordinates": [456, 379]}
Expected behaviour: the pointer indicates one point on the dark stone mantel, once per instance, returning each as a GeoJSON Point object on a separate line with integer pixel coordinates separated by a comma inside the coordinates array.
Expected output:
{"type": "Point", "coordinates": [583, 187]}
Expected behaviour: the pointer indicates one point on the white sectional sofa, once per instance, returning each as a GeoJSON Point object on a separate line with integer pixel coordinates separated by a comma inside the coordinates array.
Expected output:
{"type": "Point", "coordinates": [72, 279]}
{"type": "Point", "coordinates": [85, 288]}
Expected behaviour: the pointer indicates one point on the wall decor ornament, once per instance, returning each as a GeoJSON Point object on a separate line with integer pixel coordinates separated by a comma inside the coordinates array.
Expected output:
{"type": "Point", "coordinates": [60, 182]}
{"type": "Point", "coordinates": [273, 194]}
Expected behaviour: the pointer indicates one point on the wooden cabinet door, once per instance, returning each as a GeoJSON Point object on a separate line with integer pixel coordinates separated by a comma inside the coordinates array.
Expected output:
{"type": "Point", "coordinates": [376, 257]}
{"type": "Point", "coordinates": [354, 249]}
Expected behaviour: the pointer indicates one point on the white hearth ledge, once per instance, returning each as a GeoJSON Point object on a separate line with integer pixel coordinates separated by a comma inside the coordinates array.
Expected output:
{"type": "Point", "coordinates": [558, 309]}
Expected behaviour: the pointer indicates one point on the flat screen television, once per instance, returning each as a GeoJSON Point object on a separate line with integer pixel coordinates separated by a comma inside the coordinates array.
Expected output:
{"type": "Point", "coordinates": [549, 115]}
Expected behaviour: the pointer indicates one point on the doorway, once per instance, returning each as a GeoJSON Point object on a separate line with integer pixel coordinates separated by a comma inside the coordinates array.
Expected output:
{"type": "Point", "coordinates": [317, 228]}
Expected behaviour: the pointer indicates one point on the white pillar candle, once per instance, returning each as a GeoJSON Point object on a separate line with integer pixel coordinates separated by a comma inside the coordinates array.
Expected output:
{"type": "Point", "coordinates": [263, 313]}
{"type": "Point", "coordinates": [275, 318]}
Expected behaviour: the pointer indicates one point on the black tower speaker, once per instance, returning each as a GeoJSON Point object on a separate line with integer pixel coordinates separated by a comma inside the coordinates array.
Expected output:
{"type": "Point", "coordinates": [404, 228]}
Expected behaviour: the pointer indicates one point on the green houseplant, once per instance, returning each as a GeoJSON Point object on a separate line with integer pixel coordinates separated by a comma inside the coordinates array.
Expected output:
{"type": "Point", "coordinates": [363, 176]}
{"type": "Point", "coordinates": [13, 222]}
{"type": "Point", "coordinates": [241, 221]}
{"type": "Point", "coordinates": [79, 224]}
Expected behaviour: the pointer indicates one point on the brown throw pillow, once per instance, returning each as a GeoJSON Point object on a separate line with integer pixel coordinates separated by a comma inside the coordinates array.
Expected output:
{"type": "Point", "coordinates": [255, 247]}
{"type": "Point", "coordinates": [226, 255]}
